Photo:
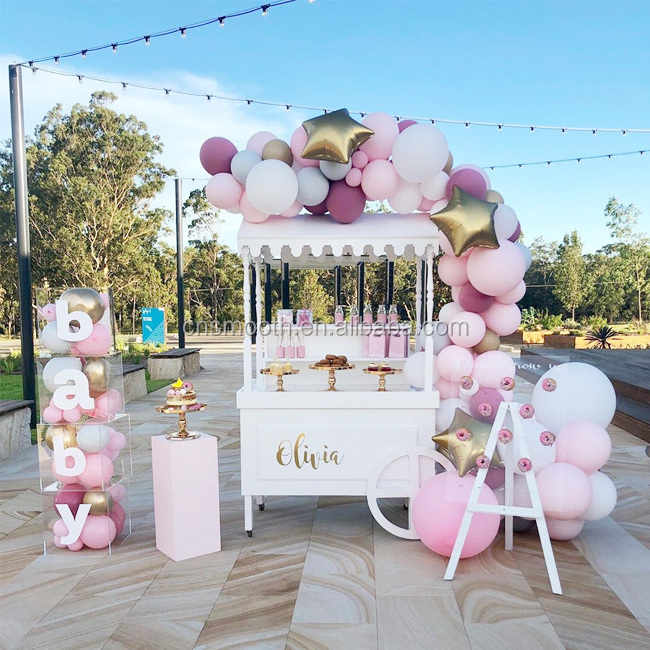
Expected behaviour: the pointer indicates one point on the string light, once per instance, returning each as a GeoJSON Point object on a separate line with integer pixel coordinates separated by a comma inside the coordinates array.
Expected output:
{"type": "Point", "coordinates": [567, 160]}
{"type": "Point", "coordinates": [183, 30]}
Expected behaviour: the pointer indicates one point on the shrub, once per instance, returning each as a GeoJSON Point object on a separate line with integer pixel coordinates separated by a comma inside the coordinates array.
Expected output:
{"type": "Point", "coordinates": [602, 337]}
{"type": "Point", "coordinates": [550, 321]}
{"type": "Point", "coordinates": [595, 322]}
{"type": "Point", "coordinates": [11, 363]}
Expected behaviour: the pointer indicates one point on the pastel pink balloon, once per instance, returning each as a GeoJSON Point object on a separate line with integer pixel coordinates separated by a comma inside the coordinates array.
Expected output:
{"type": "Point", "coordinates": [359, 159]}
{"type": "Point", "coordinates": [380, 145]}
{"type": "Point", "coordinates": [447, 389]}
{"type": "Point", "coordinates": [72, 415]}
{"type": "Point", "coordinates": [297, 145]}
{"type": "Point", "coordinates": [108, 404]}
{"type": "Point", "coordinates": [379, 180]}
{"type": "Point", "coordinates": [445, 246]}
{"type": "Point", "coordinates": [293, 210]}
{"type": "Point", "coordinates": [452, 270]}
{"type": "Point", "coordinates": [470, 178]}
{"type": "Point", "coordinates": [353, 177]}
{"type": "Point", "coordinates": [513, 296]}
{"type": "Point", "coordinates": [321, 208]}
{"type": "Point", "coordinates": [250, 212]}
{"type": "Point", "coordinates": [345, 203]}
{"type": "Point", "coordinates": [76, 546]}
{"type": "Point", "coordinates": [495, 271]}
{"type": "Point", "coordinates": [106, 299]}
{"type": "Point", "coordinates": [49, 312]}
{"type": "Point", "coordinates": [66, 480]}
{"type": "Point", "coordinates": [116, 441]}
{"type": "Point", "coordinates": [57, 542]}
{"type": "Point", "coordinates": [98, 343]}
{"type": "Point", "coordinates": [505, 221]}
{"type": "Point", "coordinates": [491, 367]}
{"type": "Point", "coordinates": [564, 490]}
{"type": "Point", "coordinates": [216, 155]}
{"type": "Point", "coordinates": [118, 515]}
{"type": "Point", "coordinates": [425, 205]}
{"type": "Point", "coordinates": [562, 530]}
{"type": "Point", "coordinates": [583, 444]}
{"type": "Point", "coordinates": [438, 510]}
{"type": "Point", "coordinates": [98, 531]}
{"type": "Point", "coordinates": [470, 299]}
{"type": "Point", "coordinates": [448, 311]}
{"type": "Point", "coordinates": [223, 191]}
{"type": "Point", "coordinates": [257, 141]}
{"type": "Point", "coordinates": [502, 319]}
{"type": "Point", "coordinates": [466, 329]}
{"type": "Point", "coordinates": [71, 495]}
{"type": "Point", "coordinates": [118, 491]}
{"type": "Point", "coordinates": [98, 472]}
{"type": "Point", "coordinates": [59, 528]}
{"type": "Point", "coordinates": [484, 404]}
{"type": "Point", "coordinates": [52, 414]}
{"type": "Point", "coordinates": [454, 362]}
{"type": "Point", "coordinates": [404, 124]}
{"type": "Point", "coordinates": [454, 294]}
{"type": "Point", "coordinates": [437, 207]}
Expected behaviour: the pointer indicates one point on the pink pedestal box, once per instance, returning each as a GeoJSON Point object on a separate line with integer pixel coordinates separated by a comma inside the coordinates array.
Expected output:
{"type": "Point", "coordinates": [398, 345]}
{"type": "Point", "coordinates": [377, 345]}
{"type": "Point", "coordinates": [186, 496]}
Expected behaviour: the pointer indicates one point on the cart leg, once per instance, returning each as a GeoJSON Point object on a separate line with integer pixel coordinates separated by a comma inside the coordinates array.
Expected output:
{"type": "Point", "coordinates": [261, 502]}
{"type": "Point", "coordinates": [248, 514]}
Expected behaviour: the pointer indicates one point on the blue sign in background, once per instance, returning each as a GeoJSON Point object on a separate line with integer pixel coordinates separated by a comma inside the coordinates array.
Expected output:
{"type": "Point", "coordinates": [153, 325]}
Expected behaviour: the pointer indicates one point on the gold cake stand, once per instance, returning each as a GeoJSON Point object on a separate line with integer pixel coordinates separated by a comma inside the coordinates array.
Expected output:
{"type": "Point", "coordinates": [284, 373]}
{"type": "Point", "coordinates": [183, 433]}
{"type": "Point", "coordinates": [382, 375]}
{"type": "Point", "coordinates": [331, 380]}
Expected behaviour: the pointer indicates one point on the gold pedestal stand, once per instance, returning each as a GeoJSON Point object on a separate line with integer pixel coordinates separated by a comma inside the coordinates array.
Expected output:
{"type": "Point", "coordinates": [183, 433]}
{"type": "Point", "coordinates": [331, 380]}
{"type": "Point", "coordinates": [382, 376]}
{"type": "Point", "coordinates": [280, 388]}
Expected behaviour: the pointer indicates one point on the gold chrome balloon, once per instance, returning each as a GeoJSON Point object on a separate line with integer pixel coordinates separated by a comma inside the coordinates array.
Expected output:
{"type": "Point", "coordinates": [277, 150]}
{"type": "Point", "coordinates": [100, 501]}
{"type": "Point", "coordinates": [490, 341]}
{"type": "Point", "coordinates": [494, 196]}
{"type": "Point", "coordinates": [86, 300]}
{"type": "Point", "coordinates": [67, 431]}
{"type": "Point", "coordinates": [467, 222]}
{"type": "Point", "coordinates": [98, 372]}
{"type": "Point", "coordinates": [449, 164]}
{"type": "Point", "coordinates": [334, 137]}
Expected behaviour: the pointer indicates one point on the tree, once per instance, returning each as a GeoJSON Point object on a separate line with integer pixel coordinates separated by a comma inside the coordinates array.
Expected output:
{"type": "Point", "coordinates": [570, 273]}
{"type": "Point", "coordinates": [540, 277]}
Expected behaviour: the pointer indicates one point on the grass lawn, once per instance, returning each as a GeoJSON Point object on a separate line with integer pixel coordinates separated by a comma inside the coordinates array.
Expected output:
{"type": "Point", "coordinates": [155, 384]}
{"type": "Point", "coordinates": [11, 387]}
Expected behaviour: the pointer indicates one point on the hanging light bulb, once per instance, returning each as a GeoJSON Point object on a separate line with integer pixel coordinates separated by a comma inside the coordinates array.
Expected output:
{"type": "Point", "coordinates": [124, 85]}
{"type": "Point", "coordinates": [147, 40]}
{"type": "Point", "coordinates": [222, 21]}
{"type": "Point", "coordinates": [80, 78]}
{"type": "Point", "coordinates": [183, 31]}
{"type": "Point", "coordinates": [114, 46]}
{"type": "Point", "coordinates": [265, 9]}
{"type": "Point", "coordinates": [83, 53]}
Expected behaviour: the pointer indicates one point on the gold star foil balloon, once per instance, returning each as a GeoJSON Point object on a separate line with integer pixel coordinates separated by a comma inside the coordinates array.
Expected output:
{"type": "Point", "coordinates": [467, 222]}
{"type": "Point", "coordinates": [464, 442]}
{"type": "Point", "coordinates": [334, 136]}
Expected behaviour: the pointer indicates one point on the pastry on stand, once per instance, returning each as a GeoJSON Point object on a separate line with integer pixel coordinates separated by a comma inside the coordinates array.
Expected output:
{"type": "Point", "coordinates": [280, 369]}
{"type": "Point", "coordinates": [381, 370]}
{"type": "Point", "coordinates": [332, 363]}
{"type": "Point", "coordinates": [181, 399]}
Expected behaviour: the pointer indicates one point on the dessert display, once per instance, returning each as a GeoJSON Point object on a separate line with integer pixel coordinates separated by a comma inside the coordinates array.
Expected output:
{"type": "Point", "coordinates": [332, 363]}
{"type": "Point", "coordinates": [381, 369]}
{"type": "Point", "coordinates": [181, 399]}
{"type": "Point", "coordinates": [280, 369]}
{"type": "Point", "coordinates": [181, 394]}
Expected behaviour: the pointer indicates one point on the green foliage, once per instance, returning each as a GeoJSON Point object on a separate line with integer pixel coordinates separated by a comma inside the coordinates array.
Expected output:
{"type": "Point", "coordinates": [602, 337]}
{"type": "Point", "coordinates": [550, 321]}
{"type": "Point", "coordinates": [138, 352]}
{"type": "Point", "coordinates": [534, 320]}
{"type": "Point", "coordinates": [569, 273]}
{"type": "Point", "coordinates": [595, 322]}
{"type": "Point", "coordinates": [11, 363]}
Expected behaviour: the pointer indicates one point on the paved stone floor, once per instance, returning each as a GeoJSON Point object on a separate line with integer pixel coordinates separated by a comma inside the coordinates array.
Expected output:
{"type": "Point", "coordinates": [318, 573]}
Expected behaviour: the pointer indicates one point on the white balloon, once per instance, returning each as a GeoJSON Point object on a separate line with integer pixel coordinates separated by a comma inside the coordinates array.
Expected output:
{"type": "Point", "coordinates": [579, 392]}
{"type": "Point", "coordinates": [92, 438]}
{"type": "Point", "coordinates": [407, 198]}
{"type": "Point", "coordinates": [539, 455]}
{"type": "Point", "coordinates": [50, 339]}
{"type": "Point", "coordinates": [446, 411]}
{"type": "Point", "coordinates": [56, 364]}
{"type": "Point", "coordinates": [333, 170]}
{"type": "Point", "coordinates": [505, 221]}
{"type": "Point", "coordinates": [433, 188]}
{"type": "Point", "coordinates": [603, 499]}
{"type": "Point", "coordinates": [313, 186]}
{"type": "Point", "coordinates": [420, 152]}
{"type": "Point", "coordinates": [448, 311]}
{"type": "Point", "coordinates": [271, 186]}
{"type": "Point", "coordinates": [527, 256]}
{"type": "Point", "coordinates": [414, 370]}
{"type": "Point", "coordinates": [440, 336]}
{"type": "Point", "coordinates": [242, 163]}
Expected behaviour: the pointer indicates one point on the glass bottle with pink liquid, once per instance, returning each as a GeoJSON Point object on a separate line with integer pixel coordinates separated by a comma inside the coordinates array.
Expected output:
{"type": "Point", "coordinates": [367, 314]}
{"type": "Point", "coordinates": [381, 314]}
{"type": "Point", "coordinates": [300, 347]}
{"type": "Point", "coordinates": [354, 315]}
{"type": "Point", "coordinates": [339, 316]}
{"type": "Point", "coordinates": [392, 314]}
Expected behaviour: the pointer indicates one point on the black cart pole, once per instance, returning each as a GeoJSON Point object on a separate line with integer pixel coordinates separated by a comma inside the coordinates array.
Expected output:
{"type": "Point", "coordinates": [337, 285]}
{"type": "Point", "coordinates": [22, 237]}
{"type": "Point", "coordinates": [268, 296]}
{"type": "Point", "coordinates": [254, 301]}
{"type": "Point", "coordinates": [285, 285]}
{"type": "Point", "coordinates": [179, 262]}
{"type": "Point", "coordinates": [390, 282]}
{"type": "Point", "coordinates": [361, 281]}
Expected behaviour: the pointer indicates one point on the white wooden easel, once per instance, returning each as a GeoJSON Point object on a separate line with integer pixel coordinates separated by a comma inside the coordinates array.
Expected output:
{"type": "Point", "coordinates": [508, 509]}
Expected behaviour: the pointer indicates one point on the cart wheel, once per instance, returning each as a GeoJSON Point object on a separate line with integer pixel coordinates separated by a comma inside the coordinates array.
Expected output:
{"type": "Point", "coordinates": [261, 506]}
{"type": "Point", "coordinates": [399, 475]}
{"type": "Point", "coordinates": [249, 533]}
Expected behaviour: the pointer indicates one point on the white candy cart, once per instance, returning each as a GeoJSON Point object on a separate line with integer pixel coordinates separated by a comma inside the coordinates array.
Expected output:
{"type": "Point", "coordinates": [355, 440]}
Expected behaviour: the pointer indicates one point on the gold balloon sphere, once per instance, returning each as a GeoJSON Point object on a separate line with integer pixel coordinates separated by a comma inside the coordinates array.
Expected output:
{"type": "Point", "coordinates": [85, 300]}
{"type": "Point", "coordinates": [494, 196]}
{"type": "Point", "coordinates": [67, 431]}
{"type": "Point", "coordinates": [277, 150]}
{"type": "Point", "coordinates": [100, 502]}
{"type": "Point", "coordinates": [449, 165]}
{"type": "Point", "coordinates": [490, 341]}
{"type": "Point", "coordinates": [98, 372]}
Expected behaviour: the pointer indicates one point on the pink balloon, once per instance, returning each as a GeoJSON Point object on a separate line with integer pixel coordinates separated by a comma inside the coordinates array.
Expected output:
{"type": "Point", "coordinates": [293, 210]}
{"type": "Point", "coordinates": [454, 295]}
{"type": "Point", "coordinates": [118, 491]}
{"type": "Point", "coordinates": [98, 343]}
{"type": "Point", "coordinates": [495, 271]}
{"type": "Point", "coordinates": [516, 234]}
{"type": "Point", "coordinates": [66, 480]}
{"type": "Point", "coordinates": [484, 404]}
{"type": "Point", "coordinates": [404, 124]}
{"type": "Point", "coordinates": [49, 312]}
{"type": "Point", "coordinates": [447, 389]}
{"type": "Point", "coordinates": [466, 329]}
{"type": "Point", "coordinates": [562, 530]}
{"type": "Point", "coordinates": [445, 246]}
{"type": "Point", "coordinates": [564, 489]}
{"type": "Point", "coordinates": [425, 205]}
{"type": "Point", "coordinates": [452, 270]}
{"type": "Point", "coordinates": [321, 208]}
{"type": "Point", "coordinates": [345, 203]}
{"type": "Point", "coordinates": [359, 159]}
{"type": "Point", "coordinates": [223, 191]}
{"type": "Point", "coordinates": [118, 515]}
{"type": "Point", "coordinates": [380, 145]}
{"type": "Point", "coordinates": [249, 212]}
{"type": "Point", "coordinates": [406, 198]}
{"type": "Point", "coordinates": [470, 178]}
{"type": "Point", "coordinates": [379, 180]}
{"type": "Point", "coordinates": [435, 208]}
{"type": "Point", "coordinates": [470, 299]}
{"type": "Point", "coordinates": [216, 154]}
{"type": "Point", "coordinates": [502, 319]}
{"type": "Point", "coordinates": [52, 414]}
{"type": "Point", "coordinates": [583, 444]}
{"type": "Point", "coordinates": [76, 546]}
{"type": "Point", "coordinates": [98, 472]}
{"type": "Point", "coordinates": [257, 141]}
{"type": "Point", "coordinates": [71, 495]}
{"type": "Point", "coordinates": [491, 367]}
{"type": "Point", "coordinates": [495, 477]}
{"type": "Point", "coordinates": [513, 296]}
{"type": "Point", "coordinates": [454, 362]}
{"type": "Point", "coordinates": [57, 542]}
{"type": "Point", "coordinates": [59, 528]}
{"type": "Point", "coordinates": [297, 145]}
{"type": "Point", "coordinates": [72, 415]}
{"type": "Point", "coordinates": [353, 177]}
{"type": "Point", "coordinates": [98, 531]}
{"type": "Point", "coordinates": [116, 441]}
{"type": "Point", "coordinates": [438, 510]}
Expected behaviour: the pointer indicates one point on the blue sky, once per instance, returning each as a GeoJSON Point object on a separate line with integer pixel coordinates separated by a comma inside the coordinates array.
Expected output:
{"type": "Point", "coordinates": [531, 62]}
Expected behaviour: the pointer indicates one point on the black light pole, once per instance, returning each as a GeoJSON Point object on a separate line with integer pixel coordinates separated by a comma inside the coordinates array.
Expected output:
{"type": "Point", "coordinates": [179, 262]}
{"type": "Point", "coordinates": [22, 237]}
{"type": "Point", "coordinates": [361, 281]}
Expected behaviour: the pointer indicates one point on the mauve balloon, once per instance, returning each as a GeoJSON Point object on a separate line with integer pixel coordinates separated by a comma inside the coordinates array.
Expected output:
{"type": "Point", "coordinates": [484, 404]}
{"type": "Point", "coordinates": [216, 155]}
{"type": "Point", "coordinates": [71, 495]}
{"type": "Point", "coordinates": [345, 203]}
{"type": "Point", "coordinates": [471, 299]}
{"type": "Point", "coordinates": [515, 235]}
{"type": "Point", "coordinates": [321, 208]}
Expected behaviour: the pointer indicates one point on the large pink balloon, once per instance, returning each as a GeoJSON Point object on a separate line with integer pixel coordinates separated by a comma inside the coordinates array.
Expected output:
{"type": "Point", "coordinates": [297, 144]}
{"type": "Point", "coordinates": [490, 368]}
{"type": "Point", "coordinates": [502, 319]}
{"type": "Point", "coordinates": [438, 510]}
{"type": "Point", "coordinates": [452, 270]}
{"type": "Point", "coordinates": [216, 155]}
{"type": "Point", "coordinates": [562, 530]}
{"type": "Point", "coordinates": [66, 480]}
{"type": "Point", "coordinates": [249, 211]}
{"type": "Point", "coordinates": [345, 203]}
{"type": "Point", "coordinates": [108, 405]}
{"type": "Point", "coordinates": [470, 178]}
{"type": "Point", "coordinates": [98, 472]}
{"type": "Point", "coordinates": [98, 343]}
{"type": "Point", "coordinates": [447, 389]}
{"type": "Point", "coordinates": [379, 180]}
{"type": "Point", "coordinates": [445, 246]}
{"type": "Point", "coordinates": [380, 145]}
{"type": "Point", "coordinates": [466, 329]}
{"type": "Point", "coordinates": [257, 141]}
{"type": "Point", "coordinates": [583, 444]}
{"type": "Point", "coordinates": [495, 271]}
{"type": "Point", "coordinates": [564, 489]}
{"type": "Point", "coordinates": [454, 362]}
{"type": "Point", "coordinates": [98, 531]}
{"type": "Point", "coordinates": [470, 299]}
{"type": "Point", "coordinates": [223, 191]}
{"type": "Point", "coordinates": [513, 296]}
